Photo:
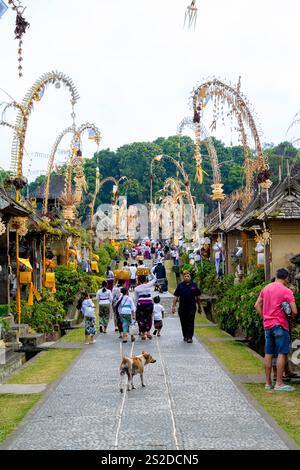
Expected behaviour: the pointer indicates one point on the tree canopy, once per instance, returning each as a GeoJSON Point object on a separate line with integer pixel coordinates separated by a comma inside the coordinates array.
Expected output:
{"type": "Point", "coordinates": [133, 161]}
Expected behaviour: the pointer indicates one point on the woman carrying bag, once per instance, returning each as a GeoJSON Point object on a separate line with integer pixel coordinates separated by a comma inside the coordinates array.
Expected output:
{"type": "Point", "coordinates": [88, 311]}
{"type": "Point", "coordinates": [126, 309]}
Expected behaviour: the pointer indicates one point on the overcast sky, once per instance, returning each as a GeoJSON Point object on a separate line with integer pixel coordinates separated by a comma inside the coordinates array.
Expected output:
{"type": "Point", "coordinates": [134, 66]}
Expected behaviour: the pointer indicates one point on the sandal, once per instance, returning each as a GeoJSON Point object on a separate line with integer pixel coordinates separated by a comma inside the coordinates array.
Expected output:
{"type": "Point", "coordinates": [284, 388]}
{"type": "Point", "coordinates": [268, 387]}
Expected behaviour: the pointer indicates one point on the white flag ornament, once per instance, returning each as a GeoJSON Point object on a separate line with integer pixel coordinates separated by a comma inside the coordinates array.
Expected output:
{"type": "Point", "coordinates": [3, 8]}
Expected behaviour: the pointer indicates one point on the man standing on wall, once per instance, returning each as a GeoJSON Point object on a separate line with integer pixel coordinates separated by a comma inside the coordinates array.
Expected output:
{"type": "Point", "coordinates": [188, 294]}
{"type": "Point", "coordinates": [270, 307]}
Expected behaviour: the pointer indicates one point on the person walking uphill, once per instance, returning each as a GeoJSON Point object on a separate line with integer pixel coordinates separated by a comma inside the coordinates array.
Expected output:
{"type": "Point", "coordinates": [270, 307]}
{"type": "Point", "coordinates": [144, 309]}
{"type": "Point", "coordinates": [109, 275]}
{"type": "Point", "coordinates": [126, 309]}
{"type": "Point", "coordinates": [88, 311]}
{"type": "Point", "coordinates": [188, 294]}
{"type": "Point", "coordinates": [104, 296]}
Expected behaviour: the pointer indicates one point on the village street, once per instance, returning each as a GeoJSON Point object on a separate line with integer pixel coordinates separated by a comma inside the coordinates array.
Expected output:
{"type": "Point", "coordinates": [189, 402]}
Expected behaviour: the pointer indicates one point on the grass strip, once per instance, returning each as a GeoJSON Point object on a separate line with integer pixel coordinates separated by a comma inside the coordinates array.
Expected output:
{"type": "Point", "coordinates": [73, 336]}
{"type": "Point", "coordinates": [236, 357]}
{"type": "Point", "coordinates": [46, 368]}
{"type": "Point", "coordinates": [210, 332]}
{"type": "Point", "coordinates": [201, 320]}
{"type": "Point", "coordinates": [13, 409]}
{"type": "Point", "coordinates": [284, 407]}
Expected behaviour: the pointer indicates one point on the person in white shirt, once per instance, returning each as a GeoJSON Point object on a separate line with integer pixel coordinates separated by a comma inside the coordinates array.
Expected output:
{"type": "Point", "coordinates": [132, 282]}
{"type": "Point", "coordinates": [104, 296]}
{"type": "Point", "coordinates": [88, 311]}
{"type": "Point", "coordinates": [126, 310]}
{"type": "Point", "coordinates": [158, 315]}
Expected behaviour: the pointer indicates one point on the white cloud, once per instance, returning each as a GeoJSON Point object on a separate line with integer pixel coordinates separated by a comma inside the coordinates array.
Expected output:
{"type": "Point", "coordinates": [134, 65]}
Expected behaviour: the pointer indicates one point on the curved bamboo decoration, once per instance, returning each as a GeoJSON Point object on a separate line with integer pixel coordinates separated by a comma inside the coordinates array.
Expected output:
{"type": "Point", "coordinates": [27, 104]}
{"type": "Point", "coordinates": [77, 133]}
{"type": "Point", "coordinates": [12, 104]}
{"type": "Point", "coordinates": [186, 183]}
{"type": "Point", "coordinates": [241, 109]}
{"type": "Point", "coordinates": [68, 130]}
{"type": "Point", "coordinates": [208, 142]}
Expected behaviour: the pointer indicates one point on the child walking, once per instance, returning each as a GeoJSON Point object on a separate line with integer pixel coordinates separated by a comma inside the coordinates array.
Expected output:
{"type": "Point", "coordinates": [158, 315]}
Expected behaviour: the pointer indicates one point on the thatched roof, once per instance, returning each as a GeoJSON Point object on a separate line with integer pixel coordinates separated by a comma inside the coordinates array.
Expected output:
{"type": "Point", "coordinates": [11, 207]}
{"type": "Point", "coordinates": [283, 203]}
{"type": "Point", "coordinates": [57, 186]}
{"type": "Point", "coordinates": [231, 210]}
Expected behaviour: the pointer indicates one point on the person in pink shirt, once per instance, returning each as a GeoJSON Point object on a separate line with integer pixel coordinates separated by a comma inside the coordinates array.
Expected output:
{"type": "Point", "coordinates": [276, 326]}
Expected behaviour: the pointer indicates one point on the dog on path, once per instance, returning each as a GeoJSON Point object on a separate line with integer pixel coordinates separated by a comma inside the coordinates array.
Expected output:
{"type": "Point", "coordinates": [131, 366]}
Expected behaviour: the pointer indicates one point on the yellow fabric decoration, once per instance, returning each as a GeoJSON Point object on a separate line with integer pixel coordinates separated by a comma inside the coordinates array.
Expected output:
{"type": "Point", "coordinates": [94, 266]}
{"type": "Point", "coordinates": [72, 264]}
{"type": "Point", "coordinates": [26, 263]}
{"type": "Point", "coordinates": [32, 292]}
{"type": "Point", "coordinates": [50, 281]}
{"type": "Point", "coordinates": [25, 277]}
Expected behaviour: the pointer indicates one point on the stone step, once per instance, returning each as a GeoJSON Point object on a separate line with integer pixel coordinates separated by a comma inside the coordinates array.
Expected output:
{"type": "Point", "coordinates": [32, 340]}
{"type": "Point", "coordinates": [22, 328]}
{"type": "Point", "coordinates": [9, 362]}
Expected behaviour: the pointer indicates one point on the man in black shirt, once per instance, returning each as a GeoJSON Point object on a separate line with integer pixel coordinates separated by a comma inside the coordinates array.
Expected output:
{"type": "Point", "coordinates": [188, 294]}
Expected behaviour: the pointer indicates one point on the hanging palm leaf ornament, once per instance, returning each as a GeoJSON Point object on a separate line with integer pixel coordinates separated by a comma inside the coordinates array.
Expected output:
{"type": "Point", "coordinates": [190, 16]}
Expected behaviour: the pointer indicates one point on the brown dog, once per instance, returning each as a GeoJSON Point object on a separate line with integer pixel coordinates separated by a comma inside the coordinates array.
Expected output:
{"type": "Point", "coordinates": [132, 366]}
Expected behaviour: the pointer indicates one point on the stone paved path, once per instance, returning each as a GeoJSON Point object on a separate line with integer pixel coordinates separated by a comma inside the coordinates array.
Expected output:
{"type": "Point", "coordinates": [189, 403]}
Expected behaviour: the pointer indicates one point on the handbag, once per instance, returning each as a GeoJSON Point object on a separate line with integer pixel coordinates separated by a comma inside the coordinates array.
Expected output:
{"type": "Point", "coordinates": [134, 328]}
{"type": "Point", "coordinates": [286, 308]}
{"type": "Point", "coordinates": [89, 312]}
